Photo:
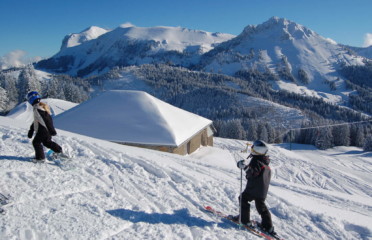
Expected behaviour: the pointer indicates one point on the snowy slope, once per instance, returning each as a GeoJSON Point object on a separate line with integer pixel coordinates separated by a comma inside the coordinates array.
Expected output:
{"type": "Point", "coordinates": [24, 111]}
{"type": "Point", "coordinates": [121, 192]}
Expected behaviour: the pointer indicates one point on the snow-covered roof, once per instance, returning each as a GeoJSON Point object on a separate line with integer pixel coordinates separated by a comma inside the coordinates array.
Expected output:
{"type": "Point", "coordinates": [132, 117]}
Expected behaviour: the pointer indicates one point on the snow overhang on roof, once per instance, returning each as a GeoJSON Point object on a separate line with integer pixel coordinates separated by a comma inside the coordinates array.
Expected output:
{"type": "Point", "coordinates": [132, 117]}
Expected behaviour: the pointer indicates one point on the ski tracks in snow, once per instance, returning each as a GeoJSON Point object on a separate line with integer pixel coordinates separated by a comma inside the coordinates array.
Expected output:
{"type": "Point", "coordinates": [318, 192]}
{"type": "Point", "coordinates": [120, 192]}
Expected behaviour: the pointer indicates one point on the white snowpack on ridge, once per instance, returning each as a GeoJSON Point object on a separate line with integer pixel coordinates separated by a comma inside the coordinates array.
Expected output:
{"type": "Point", "coordinates": [109, 45]}
{"type": "Point", "coordinates": [132, 117]}
{"type": "Point", "coordinates": [122, 192]}
{"type": "Point", "coordinates": [76, 39]}
{"type": "Point", "coordinates": [170, 38]}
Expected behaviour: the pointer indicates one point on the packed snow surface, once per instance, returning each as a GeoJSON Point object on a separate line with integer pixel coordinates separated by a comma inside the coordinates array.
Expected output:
{"type": "Point", "coordinates": [122, 192]}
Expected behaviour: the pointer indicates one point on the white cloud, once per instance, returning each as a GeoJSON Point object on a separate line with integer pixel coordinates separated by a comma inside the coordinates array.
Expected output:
{"type": "Point", "coordinates": [330, 40]}
{"type": "Point", "coordinates": [127, 25]}
{"type": "Point", "coordinates": [16, 58]}
{"type": "Point", "coordinates": [13, 59]}
{"type": "Point", "coordinates": [367, 40]}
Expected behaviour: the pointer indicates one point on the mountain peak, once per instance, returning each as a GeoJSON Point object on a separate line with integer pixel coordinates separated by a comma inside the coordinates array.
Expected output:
{"type": "Point", "coordinates": [277, 20]}
{"type": "Point", "coordinates": [279, 27]}
{"type": "Point", "coordinates": [75, 39]}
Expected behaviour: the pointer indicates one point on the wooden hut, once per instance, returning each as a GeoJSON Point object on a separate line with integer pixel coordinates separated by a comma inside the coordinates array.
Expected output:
{"type": "Point", "coordinates": [137, 118]}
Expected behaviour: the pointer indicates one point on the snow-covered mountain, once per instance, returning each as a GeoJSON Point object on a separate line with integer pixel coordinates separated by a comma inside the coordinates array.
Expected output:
{"type": "Point", "coordinates": [96, 50]}
{"type": "Point", "coordinates": [299, 59]}
{"type": "Point", "coordinates": [122, 192]}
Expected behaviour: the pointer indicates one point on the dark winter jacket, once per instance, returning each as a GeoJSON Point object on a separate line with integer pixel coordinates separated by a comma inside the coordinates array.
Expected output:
{"type": "Point", "coordinates": [258, 174]}
{"type": "Point", "coordinates": [42, 131]}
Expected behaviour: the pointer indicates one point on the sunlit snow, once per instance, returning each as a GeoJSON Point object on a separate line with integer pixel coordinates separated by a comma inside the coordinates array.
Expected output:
{"type": "Point", "coordinates": [122, 192]}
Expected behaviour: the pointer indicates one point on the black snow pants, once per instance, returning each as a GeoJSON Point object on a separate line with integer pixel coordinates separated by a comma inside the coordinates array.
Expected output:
{"type": "Point", "coordinates": [261, 209]}
{"type": "Point", "coordinates": [45, 139]}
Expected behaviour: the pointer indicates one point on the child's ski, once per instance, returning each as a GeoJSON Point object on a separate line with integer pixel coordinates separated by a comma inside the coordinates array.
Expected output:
{"type": "Point", "coordinates": [61, 160]}
{"type": "Point", "coordinates": [253, 230]}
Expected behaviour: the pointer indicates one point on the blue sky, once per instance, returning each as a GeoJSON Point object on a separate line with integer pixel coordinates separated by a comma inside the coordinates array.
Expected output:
{"type": "Point", "coordinates": [37, 27]}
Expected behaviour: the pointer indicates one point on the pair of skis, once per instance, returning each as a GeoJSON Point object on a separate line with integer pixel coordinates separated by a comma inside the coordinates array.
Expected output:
{"type": "Point", "coordinates": [255, 230]}
{"type": "Point", "coordinates": [61, 160]}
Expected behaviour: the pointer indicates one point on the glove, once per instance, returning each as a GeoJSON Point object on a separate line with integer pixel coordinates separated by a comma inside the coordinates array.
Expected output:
{"type": "Point", "coordinates": [30, 133]}
{"type": "Point", "coordinates": [241, 164]}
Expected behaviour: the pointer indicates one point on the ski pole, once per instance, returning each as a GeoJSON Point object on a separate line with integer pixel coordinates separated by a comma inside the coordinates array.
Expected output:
{"type": "Point", "coordinates": [241, 197]}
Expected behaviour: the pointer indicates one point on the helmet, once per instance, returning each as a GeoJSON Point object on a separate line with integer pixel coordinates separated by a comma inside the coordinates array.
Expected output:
{"type": "Point", "coordinates": [33, 97]}
{"type": "Point", "coordinates": [259, 147]}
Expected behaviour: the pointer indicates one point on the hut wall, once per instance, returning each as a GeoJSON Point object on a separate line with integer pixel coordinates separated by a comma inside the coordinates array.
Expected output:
{"type": "Point", "coordinates": [203, 138]}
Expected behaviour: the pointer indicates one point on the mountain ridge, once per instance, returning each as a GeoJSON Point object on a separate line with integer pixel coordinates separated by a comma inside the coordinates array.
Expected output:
{"type": "Point", "coordinates": [130, 45]}
{"type": "Point", "coordinates": [285, 49]}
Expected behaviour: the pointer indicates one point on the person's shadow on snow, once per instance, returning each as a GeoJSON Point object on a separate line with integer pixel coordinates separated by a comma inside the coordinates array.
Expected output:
{"type": "Point", "coordinates": [15, 158]}
{"type": "Point", "coordinates": [181, 216]}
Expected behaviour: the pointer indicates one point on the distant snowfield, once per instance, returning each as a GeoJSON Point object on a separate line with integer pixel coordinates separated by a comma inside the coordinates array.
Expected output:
{"type": "Point", "coordinates": [305, 91]}
{"type": "Point", "coordinates": [121, 192]}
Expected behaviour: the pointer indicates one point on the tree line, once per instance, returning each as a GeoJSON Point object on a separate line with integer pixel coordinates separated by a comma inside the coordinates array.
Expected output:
{"type": "Point", "coordinates": [15, 84]}
{"type": "Point", "coordinates": [218, 97]}
{"type": "Point", "coordinates": [214, 96]}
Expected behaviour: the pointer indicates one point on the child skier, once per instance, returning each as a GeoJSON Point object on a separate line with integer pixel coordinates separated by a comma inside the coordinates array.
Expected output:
{"type": "Point", "coordinates": [258, 174]}
{"type": "Point", "coordinates": [43, 126]}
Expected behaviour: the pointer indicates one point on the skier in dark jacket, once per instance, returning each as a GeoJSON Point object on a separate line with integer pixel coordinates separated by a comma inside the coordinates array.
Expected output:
{"type": "Point", "coordinates": [258, 174]}
{"type": "Point", "coordinates": [43, 126]}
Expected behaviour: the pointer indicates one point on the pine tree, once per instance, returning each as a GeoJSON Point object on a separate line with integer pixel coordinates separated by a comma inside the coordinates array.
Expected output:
{"type": "Point", "coordinates": [271, 133]}
{"type": "Point", "coordinates": [252, 131]}
{"type": "Point", "coordinates": [8, 82]}
{"type": "Point", "coordinates": [324, 139]}
{"type": "Point", "coordinates": [368, 144]}
{"type": "Point", "coordinates": [3, 100]}
{"type": "Point", "coordinates": [359, 136]}
{"type": "Point", "coordinates": [232, 129]}
{"type": "Point", "coordinates": [341, 135]}
{"type": "Point", "coordinates": [263, 134]}
{"type": "Point", "coordinates": [27, 81]}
